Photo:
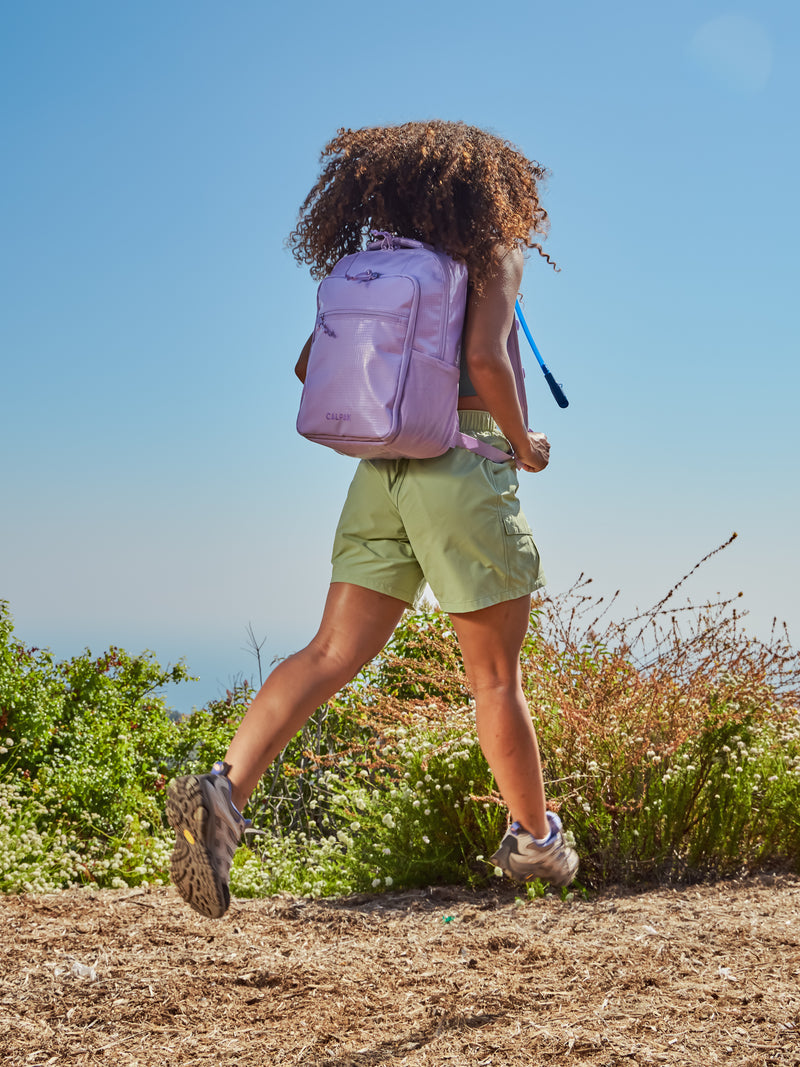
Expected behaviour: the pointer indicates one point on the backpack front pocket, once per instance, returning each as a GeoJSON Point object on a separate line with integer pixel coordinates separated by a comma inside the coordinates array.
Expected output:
{"type": "Point", "coordinates": [359, 358]}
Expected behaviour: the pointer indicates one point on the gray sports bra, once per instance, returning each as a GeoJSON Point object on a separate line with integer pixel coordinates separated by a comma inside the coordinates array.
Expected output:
{"type": "Point", "coordinates": [465, 386]}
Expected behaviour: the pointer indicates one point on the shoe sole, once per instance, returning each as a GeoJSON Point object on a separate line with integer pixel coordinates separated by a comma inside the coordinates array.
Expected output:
{"type": "Point", "coordinates": [192, 867]}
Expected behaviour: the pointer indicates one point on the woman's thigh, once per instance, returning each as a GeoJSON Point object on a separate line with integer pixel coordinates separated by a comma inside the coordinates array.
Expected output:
{"type": "Point", "coordinates": [356, 624]}
{"type": "Point", "coordinates": [491, 641]}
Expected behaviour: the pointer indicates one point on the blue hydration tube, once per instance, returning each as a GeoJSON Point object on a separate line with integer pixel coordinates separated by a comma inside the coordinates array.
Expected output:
{"type": "Point", "coordinates": [555, 388]}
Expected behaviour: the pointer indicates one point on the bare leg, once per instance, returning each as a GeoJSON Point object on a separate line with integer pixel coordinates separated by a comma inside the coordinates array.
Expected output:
{"type": "Point", "coordinates": [356, 624]}
{"type": "Point", "coordinates": [491, 640]}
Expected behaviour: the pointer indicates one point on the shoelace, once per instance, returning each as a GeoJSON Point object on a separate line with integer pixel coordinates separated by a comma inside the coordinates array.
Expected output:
{"type": "Point", "coordinates": [220, 770]}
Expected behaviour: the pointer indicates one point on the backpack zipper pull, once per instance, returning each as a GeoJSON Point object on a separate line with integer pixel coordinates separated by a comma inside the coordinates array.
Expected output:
{"type": "Point", "coordinates": [363, 276]}
{"type": "Point", "coordinates": [322, 325]}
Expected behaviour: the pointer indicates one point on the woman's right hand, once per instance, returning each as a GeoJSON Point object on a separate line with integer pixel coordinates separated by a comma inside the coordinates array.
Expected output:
{"type": "Point", "coordinates": [536, 456]}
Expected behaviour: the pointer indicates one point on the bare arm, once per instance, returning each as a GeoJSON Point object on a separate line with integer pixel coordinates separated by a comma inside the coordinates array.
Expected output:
{"type": "Point", "coordinates": [490, 317]}
{"type": "Point", "coordinates": [301, 366]}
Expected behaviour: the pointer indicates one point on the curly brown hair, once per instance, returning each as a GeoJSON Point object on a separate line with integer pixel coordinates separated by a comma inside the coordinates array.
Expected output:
{"type": "Point", "coordinates": [451, 185]}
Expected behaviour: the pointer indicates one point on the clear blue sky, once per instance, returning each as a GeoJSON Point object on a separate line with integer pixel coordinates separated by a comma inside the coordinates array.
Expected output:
{"type": "Point", "coordinates": [154, 491]}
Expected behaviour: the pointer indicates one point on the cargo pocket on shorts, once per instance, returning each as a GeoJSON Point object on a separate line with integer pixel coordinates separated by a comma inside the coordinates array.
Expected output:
{"type": "Point", "coordinates": [522, 556]}
{"type": "Point", "coordinates": [517, 525]}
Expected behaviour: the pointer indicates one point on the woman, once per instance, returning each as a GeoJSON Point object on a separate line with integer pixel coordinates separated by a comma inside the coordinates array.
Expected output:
{"type": "Point", "coordinates": [453, 521]}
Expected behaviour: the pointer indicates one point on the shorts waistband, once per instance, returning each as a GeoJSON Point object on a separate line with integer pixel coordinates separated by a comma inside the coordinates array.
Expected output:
{"type": "Point", "coordinates": [477, 422]}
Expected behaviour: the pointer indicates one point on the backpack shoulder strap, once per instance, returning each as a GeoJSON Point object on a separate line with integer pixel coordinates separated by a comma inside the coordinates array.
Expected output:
{"type": "Point", "coordinates": [481, 448]}
{"type": "Point", "coordinates": [516, 362]}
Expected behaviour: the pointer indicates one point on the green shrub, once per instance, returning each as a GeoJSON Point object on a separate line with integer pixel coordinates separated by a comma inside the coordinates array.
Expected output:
{"type": "Point", "coordinates": [413, 812]}
{"type": "Point", "coordinates": [670, 741]}
{"type": "Point", "coordinates": [86, 749]}
{"type": "Point", "coordinates": [671, 747]}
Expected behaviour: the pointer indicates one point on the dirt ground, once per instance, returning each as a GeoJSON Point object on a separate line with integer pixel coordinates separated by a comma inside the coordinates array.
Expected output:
{"type": "Point", "coordinates": [699, 975]}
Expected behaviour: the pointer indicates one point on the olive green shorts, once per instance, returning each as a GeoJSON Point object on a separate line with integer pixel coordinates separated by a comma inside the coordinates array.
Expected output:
{"type": "Point", "coordinates": [453, 521]}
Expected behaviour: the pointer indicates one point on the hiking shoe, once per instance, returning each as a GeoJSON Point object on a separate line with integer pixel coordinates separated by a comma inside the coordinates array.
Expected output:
{"type": "Point", "coordinates": [208, 829]}
{"type": "Point", "coordinates": [522, 858]}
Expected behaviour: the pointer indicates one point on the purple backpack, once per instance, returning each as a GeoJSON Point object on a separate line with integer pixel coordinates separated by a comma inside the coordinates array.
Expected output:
{"type": "Point", "coordinates": [382, 378]}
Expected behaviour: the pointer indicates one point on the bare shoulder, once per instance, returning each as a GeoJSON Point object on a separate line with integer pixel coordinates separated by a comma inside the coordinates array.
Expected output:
{"type": "Point", "coordinates": [510, 264]}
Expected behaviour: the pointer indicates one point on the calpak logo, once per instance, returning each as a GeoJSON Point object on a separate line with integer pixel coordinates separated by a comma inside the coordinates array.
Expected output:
{"type": "Point", "coordinates": [337, 416]}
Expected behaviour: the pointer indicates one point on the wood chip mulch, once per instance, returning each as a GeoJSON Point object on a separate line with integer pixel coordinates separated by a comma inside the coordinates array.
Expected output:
{"type": "Point", "coordinates": [699, 975]}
